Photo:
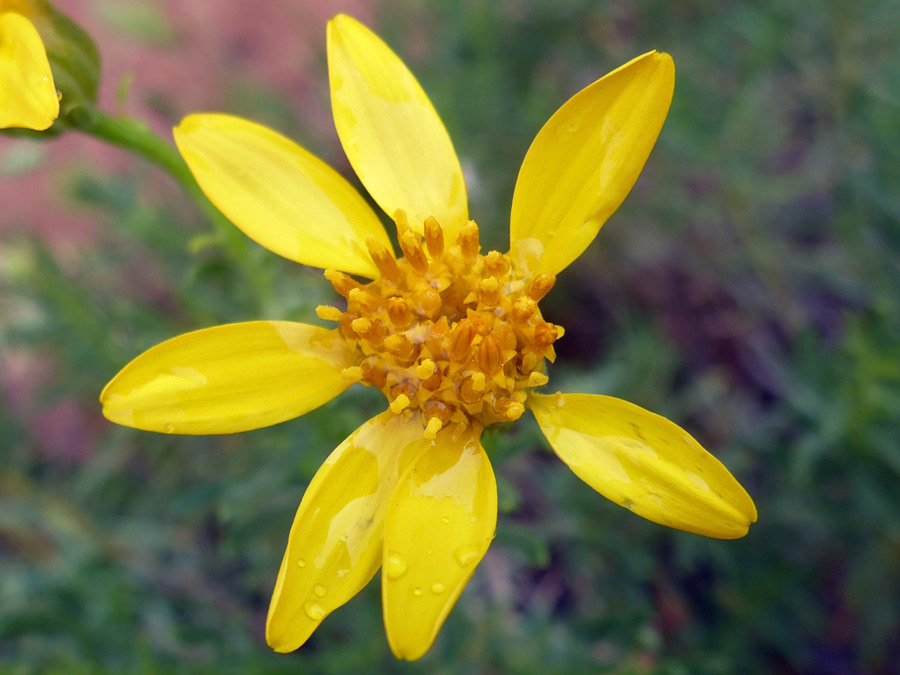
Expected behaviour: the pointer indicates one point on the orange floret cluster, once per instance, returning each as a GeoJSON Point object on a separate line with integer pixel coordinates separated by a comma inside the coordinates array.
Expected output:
{"type": "Point", "coordinates": [445, 330]}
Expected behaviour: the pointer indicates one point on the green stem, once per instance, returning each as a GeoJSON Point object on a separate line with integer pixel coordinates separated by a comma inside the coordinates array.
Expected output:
{"type": "Point", "coordinates": [134, 135]}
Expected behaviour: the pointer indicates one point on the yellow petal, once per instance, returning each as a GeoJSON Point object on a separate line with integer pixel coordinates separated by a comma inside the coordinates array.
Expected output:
{"type": "Point", "coordinates": [334, 548]}
{"type": "Point", "coordinates": [439, 524]}
{"type": "Point", "coordinates": [279, 194]}
{"type": "Point", "coordinates": [585, 160]}
{"type": "Point", "coordinates": [229, 378]}
{"type": "Point", "coordinates": [27, 93]}
{"type": "Point", "coordinates": [390, 131]}
{"type": "Point", "coordinates": [645, 463]}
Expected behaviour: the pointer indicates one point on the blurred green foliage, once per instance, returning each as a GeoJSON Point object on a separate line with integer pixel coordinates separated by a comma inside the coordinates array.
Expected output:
{"type": "Point", "coordinates": [748, 289]}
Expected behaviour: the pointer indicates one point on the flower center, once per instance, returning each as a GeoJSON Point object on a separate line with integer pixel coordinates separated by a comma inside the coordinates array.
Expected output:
{"type": "Point", "coordinates": [446, 331]}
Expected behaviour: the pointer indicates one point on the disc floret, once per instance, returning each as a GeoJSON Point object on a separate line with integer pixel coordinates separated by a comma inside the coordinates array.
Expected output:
{"type": "Point", "coordinates": [446, 331]}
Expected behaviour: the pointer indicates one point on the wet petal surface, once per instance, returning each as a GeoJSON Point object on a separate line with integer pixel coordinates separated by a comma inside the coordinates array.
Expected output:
{"type": "Point", "coordinates": [335, 544]}
{"type": "Point", "coordinates": [645, 463]}
{"type": "Point", "coordinates": [229, 378]}
{"type": "Point", "coordinates": [27, 94]}
{"type": "Point", "coordinates": [391, 133]}
{"type": "Point", "coordinates": [278, 194]}
{"type": "Point", "coordinates": [440, 522]}
{"type": "Point", "coordinates": [585, 160]}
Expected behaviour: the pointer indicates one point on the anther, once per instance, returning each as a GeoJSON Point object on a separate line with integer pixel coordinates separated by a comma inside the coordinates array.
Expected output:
{"type": "Point", "coordinates": [352, 374]}
{"type": "Point", "coordinates": [399, 404]}
{"type": "Point", "coordinates": [468, 240]}
{"type": "Point", "coordinates": [509, 408]}
{"type": "Point", "coordinates": [529, 362]}
{"type": "Point", "coordinates": [425, 369]}
{"type": "Point", "coordinates": [461, 341]}
{"type": "Point", "coordinates": [523, 310]}
{"type": "Point", "coordinates": [537, 380]}
{"type": "Point", "coordinates": [473, 387]}
{"type": "Point", "coordinates": [398, 312]}
{"type": "Point", "coordinates": [434, 237]}
{"type": "Point", "coordinates": [412, 250]}
{"type": "Point", "coordinates": [341, 282]}
{"type": "Point", "coordinates": [361, 326]}
{"type": "Point", "coordinates": [383, 259]}
{"type": "Point", "coordinates": [374, 375]}
{"type": "Point", "coordinates": [540, 286]}
{"type": "Point", "coordinates": [402, 223]}
{"type": "Point", "coordinates": [489, 355]}
{"type": "Point", "coordinates": [545, 334]}
{"type": "Point", "coordinates": [490, 291]}
{"type": "Point", "coordinates": [428, 302]}
{"type": "Point", "coordinates": [496, 264]}
{"type": "Point", "coordinates": [361, 299]}
{"type": "Point", "coordinates": [328, 313]}
{"type": "Point", "coordinates": [399, 346]}
{"type": "Point", "coordinates": [432, 429]}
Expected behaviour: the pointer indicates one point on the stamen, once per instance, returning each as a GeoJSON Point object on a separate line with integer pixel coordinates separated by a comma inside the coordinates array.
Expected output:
{"type": "Point", "coordinates": [328, 313]}
{"type": "Point", "coordinates": [341, 282]}
{"type": "Point", "coordinates": [462, 340]}
{"type": "Point", "coordinates": [412, 250]}
{"type": "Point", "coordinates": [523, 310]}
{"type": "Point", "coordinates": [383, 259]}
{"type": "Point", "coordinates": [399, 404]}
{"type": "Point", "coordinates": [496, 264]}
{"type": "Point", "coordinates": [537, 380]}
{"type": "Point", "coordinates": [540, 286]}
{"type": "Point", "coordinates": [398, 313]}
{"type": "Point", "coordinates": [425, 369]}
{"type": "Point", "coordinates": [468, 240]}
{"type": "Point", "coordinates": [434, 426]}
{"type": "Point", "coordinates": [402, 223]}
{"type": "Point", "coordinates": [489, 355]}
{"type": "Point", "coordinates": [434, 237]}
{"type": "Point", "coordinates": [361, 326]}
{"type": "Point", "coordinates": [490, 291]}
{"type": "Point", "coordinates": [545, 334]}
{"type": "Point", "coordinates": [445, 331]}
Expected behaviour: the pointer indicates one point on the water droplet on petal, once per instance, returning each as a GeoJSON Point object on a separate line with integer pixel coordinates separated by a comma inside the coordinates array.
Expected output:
{"type": "Point", "coordinates": [314, 611]}
{"type": "Point", "coordinates": [417, 591]}
{"type": "Point", "coordinates": [437, 588]}
{"type": "Point", "coordinates": [394, 566]}
{"type": "Point", "coordinates": [169, 429]}
{"type": "Point", "coordinates": [319, 590]}
{"type": "Point", "coordinates": [445, 520]}
{"type": "Point", "coordinates": [301, 562]}
{"type": "Point", "coordinates": [465, 555]}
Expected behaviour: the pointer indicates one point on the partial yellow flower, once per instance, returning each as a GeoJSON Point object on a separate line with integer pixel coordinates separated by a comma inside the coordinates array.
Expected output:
{"type": "Point", "coordinates": [28, 96]}
{"type": "Point", "coordinates": [453, 337]}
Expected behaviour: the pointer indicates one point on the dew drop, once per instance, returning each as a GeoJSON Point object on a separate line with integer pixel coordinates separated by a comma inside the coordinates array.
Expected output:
{"type": "Point", "coordinates": [314, 611]}
{"type": "Point", "coordinates": [319, 590]}
{"type": "Point", "coordinates": [445, 520]}
{"type": "Point", "coordinates": [301, 562]}
{"type": "Point", "coordinates": [466, 554]}
{"type": "Point", "coordinates": [394, 566]}
{"type": "Point", "coordinates": [169, 429]}
{"type": "Point", "coordinates": [417, 591]}
{"type": "Point", "coordinates": [573, 127]}
{"type": "Point", "coordinates": [437, 588]}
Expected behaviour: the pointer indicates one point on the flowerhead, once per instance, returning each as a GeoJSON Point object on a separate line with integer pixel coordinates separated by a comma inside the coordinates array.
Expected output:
{"type": "Point", "coordinates": [454, 337]}
{"type": "Point", "coordinates": [28, 97]}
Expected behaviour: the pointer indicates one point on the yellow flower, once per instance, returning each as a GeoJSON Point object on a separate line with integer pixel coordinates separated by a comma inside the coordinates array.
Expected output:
{"type": "Point", "coordinates": [28, 96]}
{"type": "Point", "coordinates": [454, 338]}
